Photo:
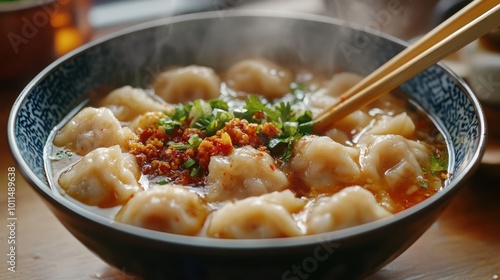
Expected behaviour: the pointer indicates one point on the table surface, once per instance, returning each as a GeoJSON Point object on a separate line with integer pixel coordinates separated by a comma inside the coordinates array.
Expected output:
{"type": "Point", "coordinates": [464, 243]}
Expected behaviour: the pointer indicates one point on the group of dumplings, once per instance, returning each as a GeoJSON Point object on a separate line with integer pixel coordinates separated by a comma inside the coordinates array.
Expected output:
{"type": "Point", "coordinates": [246, 195]}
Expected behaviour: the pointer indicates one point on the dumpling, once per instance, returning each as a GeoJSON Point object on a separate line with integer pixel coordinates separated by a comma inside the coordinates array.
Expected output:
{"type": "Point", "coordinates": [188, 83]}
{"type": "Point", "coordinates": [259, 76]}
{"type": "Point", "coordinates": [126, 103]}
{"type": "Point", "coordinates": [392, 160]}
{"type": "Point", "coordinates": [338, 136]}
{"type": "Point", "coordinates": [334, 88]}
{"type": "Point", "coordinates": [323, 163]}
{"type": "Point", "coordinates": [243, 173]}
{"type": "Point", "coordinates": [341, 82]}
{"type": "Point", "coordinates": [400, 124]}
{"type": "Point", "coordinates": [92, 128]}
{"type": "Point", "coordinates": [167, 208]}
{"type": "Point", "coordinates": [105, 177]}
{"type": "Point", "coordinates": [330, 91]}
{"type": "Point", "coordinates": [388, 104]}
{"type": "Point", "coordinates": [147, 120]}
{"type": "Point", "coordinates": [267, 216]}
{"type": "Point", "coordinates": [354, 123]}
{"type": "Point", "coordinates": [319, 100]}
{"type": "Point", "coordinates": [350, 207]}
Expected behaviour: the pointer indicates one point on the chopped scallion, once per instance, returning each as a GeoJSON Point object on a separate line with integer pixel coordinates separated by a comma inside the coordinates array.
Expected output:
{"type": "Point", "coordinates": [194, 141]}
{"type": "Point", "coordinates": [188, 163]}
{"type": "Point", "coordinates": [291, 128]}
{"type": "Point", "coordinates": [162, 182]}
{"type": "Point", "coordinates": [194, 171]}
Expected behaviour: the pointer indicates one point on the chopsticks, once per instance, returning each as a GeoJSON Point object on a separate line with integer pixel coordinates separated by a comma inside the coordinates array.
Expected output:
{"type": "Point", "coordinates": [470, 23]}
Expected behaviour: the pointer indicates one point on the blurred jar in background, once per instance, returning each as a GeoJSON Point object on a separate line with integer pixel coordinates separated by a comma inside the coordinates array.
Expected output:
{"type": "Point", "coordinates": [33, 33]}
{"type": "Point", "coordinates": [71, 26]}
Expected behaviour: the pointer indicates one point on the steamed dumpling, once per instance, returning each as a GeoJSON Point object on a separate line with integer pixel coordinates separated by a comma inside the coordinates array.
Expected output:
{"type": "Point", "coordinates": [146, 120]}
{"type": "Point", "coordinates": [92, 128]}
{"type": "Point", "coordinates": [267, 216]}
{"type": "Point", "coordinates": [105, 177]}
{"type": "Point", "coordinates": [400, 124]}
{"type": "Point", "coordinates": [188, 83]}
{"type": "Point", "coordinates": [167, 208]}
{"type": "Point", "coordinates": [259, 76]}
{"type": "Point", "coordinates": [341, 82]}
{"type": "Point", "coordinates": [126, 103]}
{"type": "Point", "coordinates": [330, 91]}
{"type": "Point", "coordinates": [354, 122]}
{"type": "Point", "coordinates": [350, 207]}
{"type": "Point", "coordinates": [243, 173]}
{"type": "Point", "coordinates": [319, 100]}
{"type": "Point", "coordinates": [323, 163]}
{"type": "Point", "coordinates": [392, 160]}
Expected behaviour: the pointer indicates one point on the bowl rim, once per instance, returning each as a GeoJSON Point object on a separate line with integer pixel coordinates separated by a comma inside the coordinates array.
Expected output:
{"type": "Point", "coordinates": [249, 244]}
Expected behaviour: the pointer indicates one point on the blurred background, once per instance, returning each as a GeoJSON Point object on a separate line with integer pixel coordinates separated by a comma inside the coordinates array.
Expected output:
{"type": "Point", "coordinates": [35, 32]}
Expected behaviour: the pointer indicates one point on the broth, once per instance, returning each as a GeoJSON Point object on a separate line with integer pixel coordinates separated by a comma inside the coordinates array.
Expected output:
{"type": "Point", "coordinates": [236, 156]}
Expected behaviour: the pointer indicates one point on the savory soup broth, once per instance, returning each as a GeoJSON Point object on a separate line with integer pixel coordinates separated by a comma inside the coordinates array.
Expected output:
{"type": "Point", "coordinates": [234, 154]}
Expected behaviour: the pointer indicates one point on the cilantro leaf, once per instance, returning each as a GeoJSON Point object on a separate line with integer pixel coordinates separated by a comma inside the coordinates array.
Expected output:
{"type": "Point", "coordinates": [211, 116]}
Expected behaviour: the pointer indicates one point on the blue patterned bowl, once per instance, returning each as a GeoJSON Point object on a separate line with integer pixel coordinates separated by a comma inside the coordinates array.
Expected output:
{"type": "Point", "coordinates": [132, 57]}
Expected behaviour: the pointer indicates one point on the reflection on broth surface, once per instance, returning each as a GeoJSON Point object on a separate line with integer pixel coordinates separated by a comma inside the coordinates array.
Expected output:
{"type": "Point", "coordinates": [242, 160]}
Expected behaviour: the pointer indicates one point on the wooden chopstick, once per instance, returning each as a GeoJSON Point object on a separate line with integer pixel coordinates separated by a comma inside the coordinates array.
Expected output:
{"type": "Point", "coordinates": [470, 23]}
{"type": "Point", "coordinates": [440, 32]}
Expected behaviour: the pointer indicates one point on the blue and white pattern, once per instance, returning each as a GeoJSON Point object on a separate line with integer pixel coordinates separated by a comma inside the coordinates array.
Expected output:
{"type": "Point", "coordinates": [133, 59]}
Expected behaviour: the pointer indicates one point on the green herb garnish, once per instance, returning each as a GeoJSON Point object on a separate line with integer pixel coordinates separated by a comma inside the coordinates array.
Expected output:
{"type": "Point", "coordinates": [423, 184]}
{"type": "Point", "coordinates": [61, 154]}
{"type": "Point", "coordinates": [437, 165]}
{"type": "Point", "coordinates": [190, 162]}
{"type": "Point", "coordinates": [194, 141]}
{"type": "Point", "coordinates": [162, 182]}
{"type": "Point", "coordinates": [195, 171]}
{"type": "Point", "coordinates": [211, 116]}
{"type": "Point", "coordinates": [169, 124]}
{"type": "Point", "coordinates": [292, 125]}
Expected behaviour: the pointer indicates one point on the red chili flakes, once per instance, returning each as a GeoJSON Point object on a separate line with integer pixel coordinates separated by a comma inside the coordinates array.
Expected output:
{"type": "Point", "coordinates": [259, 115]}
{"type": "Point", "coordinates": [243, 133]}
{"type": "Point", "coordinates": [269, 130]}
{"type": "Point", "coordinates": [217, 145]}
{"type": "Point", "coordinates": [157, 157]}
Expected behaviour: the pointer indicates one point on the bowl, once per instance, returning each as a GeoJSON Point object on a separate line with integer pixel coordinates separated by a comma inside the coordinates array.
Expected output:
{"type": "Point", "coordinates": [134, 56]}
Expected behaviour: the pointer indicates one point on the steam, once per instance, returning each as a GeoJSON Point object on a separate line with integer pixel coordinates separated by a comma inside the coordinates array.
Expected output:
{"type": "Point", "coordinates": [402, 18]}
